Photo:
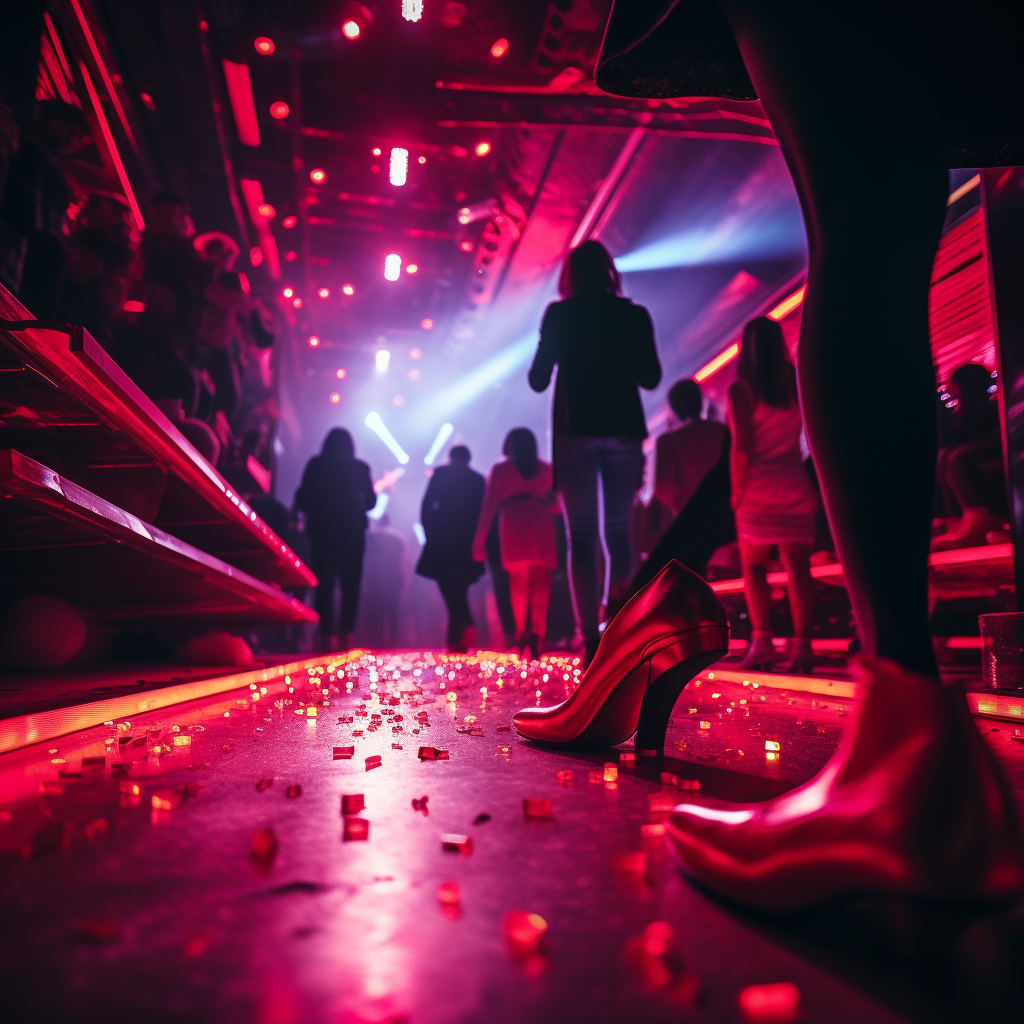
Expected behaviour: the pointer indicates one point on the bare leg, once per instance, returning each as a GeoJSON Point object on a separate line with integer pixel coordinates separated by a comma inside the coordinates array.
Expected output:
{"type": "Point", "coordinates": [797, 560]}
{"type": "Point", "coordinates": [759, 596]}
{"type": "Point", "coordinates": [540, 596]}
{"type": "Point", "coordinates": [519, 590]}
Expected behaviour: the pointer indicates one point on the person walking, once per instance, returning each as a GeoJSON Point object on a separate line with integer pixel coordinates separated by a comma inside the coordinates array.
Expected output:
{"type": "Point", "coordinates": [603, 346]}
{"type": "Point", "coordinates": [449, 514]}
{"type": "Point", "coordinates": [336, 493]}
{"type": "Point", "coordinates": [519, 492]}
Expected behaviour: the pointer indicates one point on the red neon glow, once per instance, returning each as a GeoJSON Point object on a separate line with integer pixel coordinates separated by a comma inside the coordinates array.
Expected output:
{"type": "Point", "coordinates": [57, 48]}
{"type": "Point", "coordinates": [290, 256]}
{"type": "Point", "coordinates": [279, 109]}
{"type": "Point", "coordinates": [147, 100]}
{"type": "Point", "coordinates": [243, 282]}
{"type": "Point", "coordinates": [111, 147]}
{"type": "Point", "coordinates": [466, 246]}
{"type": "Point", "coordinates": [324, 293]}
{"type": "Point", "coordinates": [787, 305]}
{"type": "Point", "coordinates": [236, 77]}
{"type": "Point", "coordinates": [412, 268]}
{"type": "Point", "coordinates": [499, 47]}
{"type": "Point", "coordinates": [347, 289]}
{"type": "Point", "coordinates": [718, 362]}
{"type": "Point", "coordinates": [350, 29]}
{"type": "Point", "coordinates": [94, 50]}
{"type": "Point", "coordinates": [266, 210]}
{"type": "Point", "coordinates": [255, 255]}
{"type": "Point", "coordinates": [134, 306]}
{"type": "Point", "coordinates": [335, 398]}
{"type": "Point", "coordinates": [483, 148]}
{"type": "Point", "coordinates": [426, 323]}
{"type": "Point", "coordinates": [376, 150]}
{"type": "Point", "coordinates": [297, 303]}
{"type": "Point", "coordinates": [288, 292]}
{"type": "Point", "coordinates": [252, 193]}
{"type": "Point", "coordinates": [314, 341]}
{"type": "Point", "coordinates": [341, 373]}
{"type": "Point", "coordinates": [264, 45]}
{"type": "Point", "coordinates": [289, 222]}
{"type": "Point", "coordinates": [421, 159]}
{"type": "Point", "coordinates": [317, 176]}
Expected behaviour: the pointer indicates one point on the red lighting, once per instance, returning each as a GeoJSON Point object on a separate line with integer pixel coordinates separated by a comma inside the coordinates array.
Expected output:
{"type": "Point", "coordinates": [348, 290]}
{"type": "Point", "coordinates": [427, 324]}
{"type": "Point", "coordinates": [289, 222]}
{"type": "Point", "coordinates": [341, 374]}
{"type": "Point", "coordinates": [266, 210]}
{"type": "Point", "coordinates": [324, 293]}
{"type": "Point", "coordinates": [147, 100]}
{"type": "Point", "coordinates": [376, 151]}
{"type": "Point", "coordinates": [335, 398]}
{"type": "Point", "coordinates": [466, 246]}
{"type": "Point", "coordinates": [718, 362]}
{"type": "Point", "coordinates": [483, 148]}
{"type": "Point", "coordinates": [134, 306]}
{"type": "Point", "coordinates": [297, 303]}
{"type": "Point", "coordinates": [350, 29]}
{"type": "Point", "coordinates": [289, 256]}
{"type": "Point", "coordinates": [314, 341]}
{"type": "Point", "coordinates": [255, 255]}
{"type": "Point", "coordinates": [288, 292]}
{"type": "Point", "coordinates": [243, 282]}
{"type": "Point", "coordinates": [412, 268]}
{"type": "Point", "coordinates": [279, 109]}
{"type": "Point", "coordinates": [236, 77]}
{"type": "Point", "coordinates": [499, 47]}
{"type": "Point", "coordinates": [421, 160]}
{"type": "Point", "coordinates": [264, 45]}
{"type": "Point", "coordinates": [317, 176]}
{"type": "Point", "coordinates": [787, 305]}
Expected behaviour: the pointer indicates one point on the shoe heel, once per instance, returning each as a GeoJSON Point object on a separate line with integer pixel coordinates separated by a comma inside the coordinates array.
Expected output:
{"type": "Point", "coordinates": [669, 674]}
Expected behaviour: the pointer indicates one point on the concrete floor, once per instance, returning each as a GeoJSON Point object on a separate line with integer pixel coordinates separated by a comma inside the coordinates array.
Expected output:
{"type": "Point", "coordinates": [112, 908]}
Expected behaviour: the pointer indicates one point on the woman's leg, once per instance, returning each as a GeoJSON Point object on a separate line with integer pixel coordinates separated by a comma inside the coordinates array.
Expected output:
{"type": "Point", "coordinates": [577, 483]}
{"type": "Point", "coordinates": [622, 467]}
{"type": "Point", "coordinates": [519, 590]}
{"type": "Point", "coordinates": [851, 109]}
{"type": "Point", "coordinates": [797, 560]}
{"type": "Point", "coordinates": [540, 597]}
{"type": "Point", "coordinates": [755, 585]}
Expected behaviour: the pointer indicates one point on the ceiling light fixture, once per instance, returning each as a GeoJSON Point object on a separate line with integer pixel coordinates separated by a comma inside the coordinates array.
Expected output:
{"type": "Point", "coordinates": [279, 110]}
{"type": "Point", "coordinates": [350, 29]}
{"type": "Point", "coordinates": [289, 222]}
{"type": "Point", "coordinates": [314, 341]}
{"type": "Point", "coordinates": [348, 290]}
{"type": "Point", "coordinates": [499, 47]}
{"type": "Point", "coordinates": [392, 266]}
{"type": "Point", "coordinates": [317, 176]}
{"type": "Point", "coordinates": [324, 293]}
{"type": "Point", "coordinates": [264, 45]}
{"type": "Point", "coordinates": [411, 268]}
{"type": "Point", "coordinates": [412, 10]}
{"type": "Point", "coordinates": [483, 148]}
{"type": "Point", "coordinates": [399, 169]}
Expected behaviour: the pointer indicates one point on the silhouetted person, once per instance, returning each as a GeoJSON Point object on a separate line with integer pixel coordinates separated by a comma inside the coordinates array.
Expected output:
{"type": "Point", "coordinates": [449, 514]}
{"type": "Point", "coordinates": [603, 346]}
{"type": "Point", "coordinates": [383, 583]}
{"type": "Point", "coordinates": [519, 492]}
{"type": "Point", "coordinates": [336, 494]}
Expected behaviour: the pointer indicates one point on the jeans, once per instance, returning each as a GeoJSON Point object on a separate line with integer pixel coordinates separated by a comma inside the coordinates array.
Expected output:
{"type": "Point", "coordinates": [338, 559]}
{"type": "Point", "coordinates": [456, 598]}
{"type": "Point", "coordinates": [580, 461]}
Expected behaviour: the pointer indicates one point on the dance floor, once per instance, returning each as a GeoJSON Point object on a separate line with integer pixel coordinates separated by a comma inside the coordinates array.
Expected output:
{"type": "Point", "coordinates": [365, 839]}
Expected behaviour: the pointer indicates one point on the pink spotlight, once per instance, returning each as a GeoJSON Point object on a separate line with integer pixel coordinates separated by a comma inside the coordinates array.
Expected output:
{"type": "Point", "coordinates": [279, 110]}
{"type": "Point", "coordinates": [350, 29]}
{"type": "Point", "coordinates": [314, 341]}
{"type": "Point", "coordinates": [324, 293]}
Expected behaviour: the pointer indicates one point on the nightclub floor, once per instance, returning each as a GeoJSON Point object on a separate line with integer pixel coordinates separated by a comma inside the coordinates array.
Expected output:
{"type": "Point", "coordinates": [194, 863]}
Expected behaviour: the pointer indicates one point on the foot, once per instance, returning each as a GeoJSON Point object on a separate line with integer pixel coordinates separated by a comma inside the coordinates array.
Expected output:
{"type": "Point", "coordinates": [761, 654]}
{"type": "Point", "coordinates": [912, 805]}
{"type": "Point", "coordinates": [801, 657]}
{"type": "Point", "coordinates": [969, 531]}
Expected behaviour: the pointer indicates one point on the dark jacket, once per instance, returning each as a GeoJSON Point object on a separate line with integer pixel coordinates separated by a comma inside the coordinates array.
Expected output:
{"type": "Point", "coordinates": [449, 514]}
{"type": "Point", "coordinates": [336, 494]}
{"type": "Point", "coordinates": [604, 348]}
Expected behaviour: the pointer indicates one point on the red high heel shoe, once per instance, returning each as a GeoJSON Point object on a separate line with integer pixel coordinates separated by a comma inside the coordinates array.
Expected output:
{"type": "Point", "coordinates": [912, 806]}
{"type": "Point", "coordinates": [661, 639]}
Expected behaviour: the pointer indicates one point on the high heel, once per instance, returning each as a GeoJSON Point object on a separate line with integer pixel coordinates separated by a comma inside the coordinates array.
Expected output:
{"type": "Point", "coordinates": [761, 655]}
{"type": "Point", "coordinates": [663, 636]}
{"type": "Point", "coordinates": [801, 657]}
{"type": "Point", "coordinates": [912, 807]}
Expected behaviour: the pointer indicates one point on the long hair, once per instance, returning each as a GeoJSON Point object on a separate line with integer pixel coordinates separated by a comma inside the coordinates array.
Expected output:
{"type": "Point", "coordinates": [587, 269]}
{"type": "Point", "coordinates": [764, 364]}
{"type": "Point", "coordinates": [338, 444]}
{"type": "Point", "coordinates": [520, 448]}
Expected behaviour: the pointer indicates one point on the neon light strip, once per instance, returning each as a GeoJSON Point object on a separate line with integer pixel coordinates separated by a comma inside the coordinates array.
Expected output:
{"type": "Point", "coordinates": [718, 362]}
{"type": "Point", "coordinates": [114, 155]}
{"type": "Point", "coordinates": [103, 74]}
{"type": "Point", "coordinates": [236, 77]}
{"type": "Point", "coordinates": [443, 434]}
{"type": "Point", "coordinates": [787, 305]}
{"type": "Point", "coordinates": [824, 685]}
{"type": "Point", "coordinates": [389, 479]}
{"type": "Point", "coordinates": [57, 47]}
{"type": "Point", "coordinates": [59, 81]}
{"type": "Point", "coordinates": [963, 189]}
{"type": "Point", "coordinates": [376, 424]}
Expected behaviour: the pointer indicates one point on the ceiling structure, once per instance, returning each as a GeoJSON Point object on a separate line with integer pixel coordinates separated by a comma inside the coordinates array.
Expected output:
{"type": "Point", "coordinates": [495, 104]}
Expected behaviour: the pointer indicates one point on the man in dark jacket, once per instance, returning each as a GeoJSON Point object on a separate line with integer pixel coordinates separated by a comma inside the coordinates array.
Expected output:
{"type": "Point", "coordinates": [450, 511]}
{"type": "Point", "coordinates": [336, 494]}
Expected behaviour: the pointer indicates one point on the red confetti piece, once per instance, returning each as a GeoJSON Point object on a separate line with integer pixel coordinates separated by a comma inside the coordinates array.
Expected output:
{"type": "Point", "coordinates": [374, 761]}
{"type": "Point", "coordinates": [778, 1003]}
{"type": "Point", "coordinates": [692, 785]}
{"type": "Point", "coordinates": [523, 930]}
{"type": "Point", "coordinates": [432, 754]}
{"type": "Point", "coordinates": [356, 829]}
{"type": "Point", "coordinates": [293, 791]}
{"type": "Point", "coordinates": [448, 892]}
{"type": "Point", "coordinates": [482, 818]}
{"type": "Point", "coordinates": [668, 779]}
{"type": "Point", "coordinates": [263, 785]}
{"type": "Point", "coordinates": [420, 804]}
{"type": "Point", "coordinates": [626, 756]}
{"type": "Point", "coordinates": [454, 843]}
{"type": "Point", "coordinates": [564, 777]}
{"type": "Point", "coordinates": [264, 847]}
{"type": "Point", "coordinates": [352, 803]}
{"type": "Point", "coordinates": [537, 809]}
{"type": "Point", "coordinates": [343, 753]}
{"type": "Point", "coordinates": [165, 799]}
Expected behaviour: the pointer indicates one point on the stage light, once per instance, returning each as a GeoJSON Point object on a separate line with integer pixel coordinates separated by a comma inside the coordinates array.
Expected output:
{"type": "Point", "coordinates": [399, 169]}
{"type": "Point", "coordinates": [267, 210]}
{"type": "Point", "coordinates": [499, 47]}
{"type": "Point", "coordinates": [382, 360]}
{"type": "Point", "coordinates": [399, 400]}
{"type": "Point", "coordinates": [335, 398]}
{"type": "Point", "coordinates": [421, 160]}
{"type": "Point", "coordinates": [134, 306]}
{"type": "Point", "coordinates": [787, 305]}
{"type": "Point", "coordinates": [718, 362]}
{"type": "Point", "coordinates": [317, 176]}
{"type": "Point", "coordinates": [426, 323]}
{"type": "Point", "coordinates": [279, 110]}
{"type": "Point", "coordinates": [255, 255]}
{"type": "Point", "coordinates": [314, 341]}
{"type": "Point", "coordinates": [483, 148]}
{"type": "Point", "coordinates": [392, 266]}
{"type": "Point", "coordinates": [324, 293]}
{"type": "Point", "coordinates": [289, 222]}
{"type": "Point", "coordinates": [297, 303]}
{"type": "Point", "coordinates": [376, 151]}
{"type": "Point", "coordinates": [466, 246]}
{"type": "Point", "coordinates": [485, 376]}
{"type": "Point", "coordinates": [147, 100]}
{"type": "Point", "coordinates": [348, 290]}
{"type": "Point", "coordinates": [350, 29]}
{"type": "Point", "coordinates": [414, 353]}
{"type": "Point", "coordinates": [376, 424]}
{"type": "Point", "coordinates": [264, 45]}
{"type": "Point", "coordinates": [288, 292]}
{"type": "Point", "coordinates": [380, 507]}
{"type": "Point", "coordinates": [420, 533]}
{"type": "Point", "coordinates": [290, 256]}
{"type": "Point", "coordinates": [412, 10]}
{"type": "Point", "coordinates": [412, 268]}
{"type": "Point", "coordinates": [440, 441]}
{"type": "Point", "coordinates": [341, 373]}
{"type": "Point", "coordinates": [239, 86]}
